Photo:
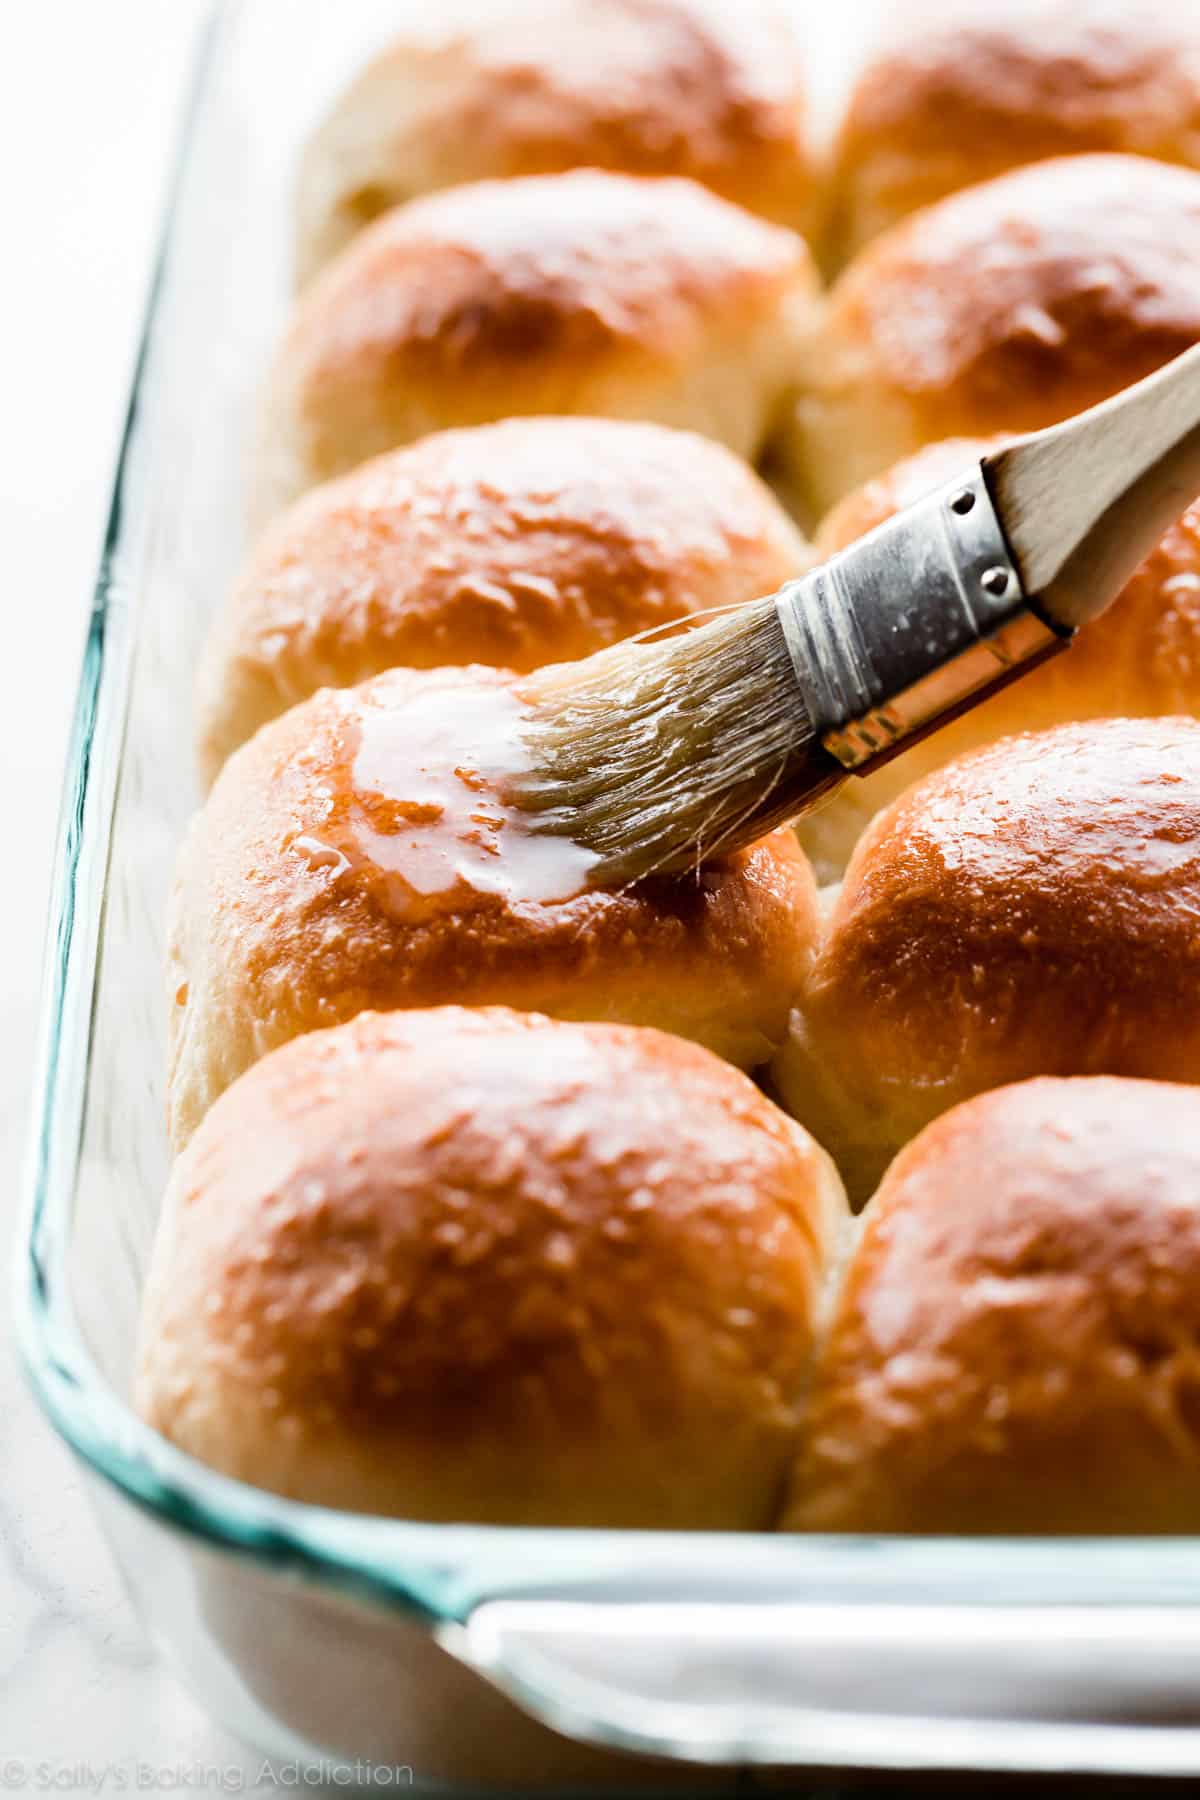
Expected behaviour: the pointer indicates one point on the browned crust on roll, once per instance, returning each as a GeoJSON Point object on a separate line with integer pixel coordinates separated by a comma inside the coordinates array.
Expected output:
{"type": "Point", "coordinates": [956, 96]}
{"type": "Point", "coordinates": [512, 545]}
{"type": "Point", "coordinates": [268, 939]}
{"type": "Point", "coordinates": [1027, 298]}
{"type": "Point", "coordinates": [1015, 1348]}
{"type": "Point", "coordinates": [484, 1265]}
{"type": "Point", "coordinates": [1029, 909]}
{"type": "Point", "coordinates": [902, 485]}
{"type": "Point", "coordinates": [584, 292]}
{"type": "Point", "coordinates": [1003, 308]}
{"type": "Point", "coordinates": [644, 87]}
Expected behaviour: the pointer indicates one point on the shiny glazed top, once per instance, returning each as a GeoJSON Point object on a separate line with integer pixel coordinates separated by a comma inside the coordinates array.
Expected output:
{"type": "Point", "coordinates": [486, 1265]}
{"type": "Point", "coordinates": [515, 544]}
{"type": "Point", "coordinates": [359, 852]}
{"type": "Point", "coordinates": [1031, 909]}
{"type": "Point", "coordinates": [1027, 298]}
{"type": "Point", "coordinates": [1015, 1347]}
{"type": "Point", "coordinates": [1074, 853]}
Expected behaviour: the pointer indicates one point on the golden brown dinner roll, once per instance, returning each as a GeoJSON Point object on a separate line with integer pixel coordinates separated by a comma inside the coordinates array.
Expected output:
{"type": "Point", "coordinates": [1141, 658]}
{"type": "Point", "coordinates": [650, 87]}
{"type": "Point", "coordinates": [1015, 1347]}
{"type": "Point", "coordinates": [876, 501]}
{"type": "Point", "coordinates": [485, 1265]}
{"type": "Point", "coordinates": [579, 293]}
{"type": "Point", "coordinates": [1003, 308]}
{"type": "Point", "coordinates": [1033, 908]}
{"type": "Point", "coordinates": [952, 94]}
{"type": "Point", "coordinates": [359, 853]}
{"type": "Point", "coordinates": [517, 544]}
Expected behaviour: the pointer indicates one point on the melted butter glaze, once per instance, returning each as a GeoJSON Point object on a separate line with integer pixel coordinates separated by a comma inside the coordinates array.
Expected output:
{"type": "Point", "coordinates": [1012, 303]}
{"type": "Point", "coordinates": [1019, 1354]}
{"type": "Point", "coordinates": [417, 803]}
{"type": "Point", "coordinates": [272, 934]}
{"type": "Point", "coordinates": [487, 1265]}
{"type": "Point", "coordinates": [1031, 909]}
{"type": "Point", "coordinates": [526, 542]}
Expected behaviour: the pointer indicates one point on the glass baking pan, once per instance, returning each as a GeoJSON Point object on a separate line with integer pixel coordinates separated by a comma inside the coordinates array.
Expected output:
{"type": "Point", "coordinates": [497, 1659]}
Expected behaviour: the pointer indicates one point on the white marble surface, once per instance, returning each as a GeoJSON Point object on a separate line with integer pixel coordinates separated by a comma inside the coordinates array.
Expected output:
{"type": "Point", "coordinates": [88, 94]}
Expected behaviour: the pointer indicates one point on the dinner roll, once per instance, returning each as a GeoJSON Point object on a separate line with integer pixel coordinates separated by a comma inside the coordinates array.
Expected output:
{"type": "Point", "coordinates": [1141, 658]}
{"type": "Point", "coordinates": [1033, 908]}
{"type": "Point", "coordinates": [517, 544]}
{"type": "Point", "coordinates": [1004, 308]}
{"type": "Point", "coordinates": [1015, 1347]}
{"type": "Point", "coordinates": [907, 481]}
{"type": "Point", "coordinates": [488, 1266]}
{"type": "Point", "coordinates": [952, 94]}
{"type": "Point", "coordinates": [359, 852]}
{"type": "Point", "coordinates": [651, 87]}
{"type": "Point", "coordinates": [579, 293]}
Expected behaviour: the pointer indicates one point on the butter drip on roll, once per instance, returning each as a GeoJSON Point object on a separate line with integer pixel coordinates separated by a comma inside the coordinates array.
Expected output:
{"type": "Point", "coordinates": [420, 807]}
{"type": "Point", "coordinates": [531, 87]}
{"type": "Point", "coordinates": [358, 853]}
{"type": "Point", "coordinates": [486, 1266]}
{"type": "Point", "coordinates": [583, 293]}
{"type": "Point", "coordinates": [525, 542]}
{"type": "Point", "coordinates": [1029, 909]}
{"type": "Point", "coordinates": [1015, 1346]}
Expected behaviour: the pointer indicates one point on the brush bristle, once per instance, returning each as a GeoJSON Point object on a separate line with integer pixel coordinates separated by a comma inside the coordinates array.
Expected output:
{"type": "Point", "coordinates": [657, 756]}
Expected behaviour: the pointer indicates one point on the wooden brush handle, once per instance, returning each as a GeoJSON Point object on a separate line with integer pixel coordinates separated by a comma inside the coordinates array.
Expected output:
{"type": "Point", "coordinates": [1083, 503]}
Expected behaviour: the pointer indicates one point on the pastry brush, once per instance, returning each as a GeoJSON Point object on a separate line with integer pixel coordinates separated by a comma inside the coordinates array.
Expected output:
{"type": "Point", "coordinates": [656, 755]}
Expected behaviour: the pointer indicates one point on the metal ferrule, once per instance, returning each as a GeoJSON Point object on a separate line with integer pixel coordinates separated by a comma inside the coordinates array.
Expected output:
{"type": "Point", "coordinates": [913, 623]}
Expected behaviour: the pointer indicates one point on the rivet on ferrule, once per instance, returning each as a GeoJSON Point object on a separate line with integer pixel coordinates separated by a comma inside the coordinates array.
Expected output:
{"type": "Point", "coordinates": [913, 622]}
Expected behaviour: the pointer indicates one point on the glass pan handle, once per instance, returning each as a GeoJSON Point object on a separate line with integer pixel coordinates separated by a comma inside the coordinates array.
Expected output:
{"type": "Point", "coordinates": [988, 1688]}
